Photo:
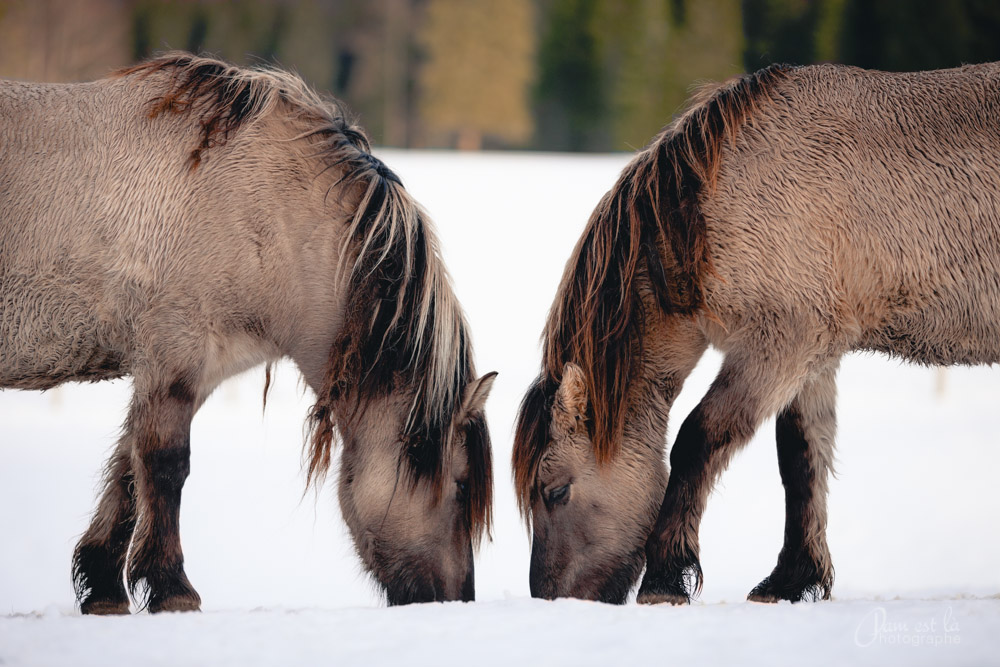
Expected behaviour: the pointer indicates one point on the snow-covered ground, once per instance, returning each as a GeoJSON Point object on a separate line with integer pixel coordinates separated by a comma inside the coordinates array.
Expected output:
{"type": "Point", "coordinates": [912, 514]}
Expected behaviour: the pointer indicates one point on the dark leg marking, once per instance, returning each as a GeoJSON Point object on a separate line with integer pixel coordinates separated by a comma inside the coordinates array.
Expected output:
{"type": "Point", "coordinates": [162, 464]}
{"type": "Point", "coordinates": [749, 387]}
{"type": "Point", "coordinates": [673, 570]}
{"type": "Point", "coordinates": [99, 558]}
{"type": "Point", "coordinates": [803, 571]}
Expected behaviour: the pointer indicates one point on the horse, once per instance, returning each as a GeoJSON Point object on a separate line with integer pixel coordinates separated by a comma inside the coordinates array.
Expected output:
{"type": "Point", "coordinates": [786, 217]}
{"type": "Point", "coordinates": [184, 220]}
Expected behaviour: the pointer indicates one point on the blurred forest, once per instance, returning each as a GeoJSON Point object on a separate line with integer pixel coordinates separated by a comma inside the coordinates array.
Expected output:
{"type": "Point", "coordinates": [567, 75]}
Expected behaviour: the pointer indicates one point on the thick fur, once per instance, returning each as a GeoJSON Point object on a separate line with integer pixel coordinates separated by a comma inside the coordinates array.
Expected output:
{"type": "Point", "coordinates": [798, 214]}
{"type": "Point", "coordinates": [648, 233]}
{"type": "Point", "coordinates": [184, 220]}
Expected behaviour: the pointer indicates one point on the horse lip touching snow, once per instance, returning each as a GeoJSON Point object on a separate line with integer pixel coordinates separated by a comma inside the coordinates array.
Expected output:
{"type": "Point", "coordinates": [787, 217]}
{"type": "Point", "coordinates": [185, 220]}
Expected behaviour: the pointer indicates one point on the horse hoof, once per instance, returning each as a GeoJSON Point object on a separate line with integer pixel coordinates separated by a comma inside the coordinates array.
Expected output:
{"type": "Point", "coordinates": [662, 598]}
{"type": "Point", "coordinates": [758, 595]}
{"type": "Point", "coordinates": [674, 586]}
{"type": "Point", "coordinates": [105, 607]}
{"type": "Point", "coordinates": [176, 603]}
{"type": "Point", "coordinates": [771, 592]}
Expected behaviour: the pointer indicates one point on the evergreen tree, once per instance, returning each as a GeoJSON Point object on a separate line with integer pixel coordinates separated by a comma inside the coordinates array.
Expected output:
{"type": "Point", "coordinates": [570, 104]}
{"type": "Point", "coordinates": [612, 74]}
{"type": "Point", "coordinates": [671, 48]}
{"type": "Point", "coordinates": [477, 74]}
{"type": "Point", "coordinates": [903, 35]}
{"type": "Point", "coordinates": [894, 35]}
{"type": "Point", "coordinates": [780, 31]}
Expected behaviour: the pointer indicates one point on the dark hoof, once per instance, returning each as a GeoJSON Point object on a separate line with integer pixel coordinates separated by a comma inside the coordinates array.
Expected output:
{"type": "Point", "coordinates": [763, 593]}
{"type": "Point", "coordinates": [167, 590]}
{"type": "Point", "coordinates": [104, 607]}
{"type": "Point", "coordinates": [775, 591]}
{"type": "Point", "coordinates": [187, 602]}
{"type": "Point", "coordinates": [647, 597]}
{"type": "Point", "coordinates": [97, 578]}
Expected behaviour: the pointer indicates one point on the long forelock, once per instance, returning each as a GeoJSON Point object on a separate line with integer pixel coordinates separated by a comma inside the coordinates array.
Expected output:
{"type": "Point", "coordinates": [531, 440]}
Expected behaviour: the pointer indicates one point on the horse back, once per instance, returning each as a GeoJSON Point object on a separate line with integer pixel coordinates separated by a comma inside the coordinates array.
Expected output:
{"type": "Point", "coordinates": [868, 202]}
{"type": "Point", "coordinates": [115, 253]}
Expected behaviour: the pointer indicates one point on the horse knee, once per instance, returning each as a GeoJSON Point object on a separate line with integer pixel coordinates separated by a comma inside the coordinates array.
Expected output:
{"type": "Point", "coordinates": [169, 465]}
{"type": "Point", "coordinates": [707, 436]}
{"type": "Point", "coordinates": [160, 428]}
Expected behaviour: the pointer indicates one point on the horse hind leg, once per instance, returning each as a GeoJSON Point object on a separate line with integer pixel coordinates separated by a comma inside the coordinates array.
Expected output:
{"type": "Point", "coordinates": [753, 384]}
{"type": "Point", "coordinates": [805, 436]}
{"type": "Point", "coordinates": [161, 421]}
{"type": "Point", "coordinates": [99, 558]}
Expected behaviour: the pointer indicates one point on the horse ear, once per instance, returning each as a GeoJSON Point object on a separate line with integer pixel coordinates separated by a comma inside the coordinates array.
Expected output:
{"type": "Point", "coordinates": [476, 393]}
{"type": "Point", "coordinates": [571, 396]}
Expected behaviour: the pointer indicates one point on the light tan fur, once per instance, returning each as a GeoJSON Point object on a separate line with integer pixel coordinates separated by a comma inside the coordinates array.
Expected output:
{"type": "Point", "coordinates": [839, 210]}
{"type": "Point", "coordinates": [185, 220]}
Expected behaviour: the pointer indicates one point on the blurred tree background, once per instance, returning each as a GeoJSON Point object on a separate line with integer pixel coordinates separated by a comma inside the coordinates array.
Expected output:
{"type": "Point", "coordinates": [577, 75]}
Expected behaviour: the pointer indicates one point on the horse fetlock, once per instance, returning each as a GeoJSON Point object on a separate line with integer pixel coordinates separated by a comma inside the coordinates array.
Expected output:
{"type": "Point", "coordinates": [676, 581]}
{"type": "Point", "coordinates": [771, 590]}
{"type": "Point", "coordinates": [798, 578]}
{"type": "Point", "coordinates": [668, 587]}
{"type": "Point", "coordinates": [98, 580]}
{"type": "Point", "coordinates": [167, 589]}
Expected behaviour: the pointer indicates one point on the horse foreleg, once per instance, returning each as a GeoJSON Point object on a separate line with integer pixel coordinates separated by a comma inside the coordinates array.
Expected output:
{"type": "Point", "coordinates": [805, 437]}
{"type": "Point", "coordinates": [99, 558]}
{"type": "Point", "coordinates": [748, 389]}
{"type": "Point", "coordinates": [161, 462]}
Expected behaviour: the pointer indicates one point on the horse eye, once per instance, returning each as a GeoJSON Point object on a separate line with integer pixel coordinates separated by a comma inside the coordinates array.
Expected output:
{"type": "Point", "coordinates": [557, 496]}
{"type": "Point", "coordinates": [461, 489]}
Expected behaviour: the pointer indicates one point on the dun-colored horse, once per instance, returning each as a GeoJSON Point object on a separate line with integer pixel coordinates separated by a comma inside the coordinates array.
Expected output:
{"type": "Point", "coordinates": [787, 218]}
{"type": "Point", "coordinates": [185, 220]}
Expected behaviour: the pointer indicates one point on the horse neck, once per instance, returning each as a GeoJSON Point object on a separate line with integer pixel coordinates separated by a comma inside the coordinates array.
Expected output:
{"type": "Point", "coordinates": [316, 274]}
{"type": "Point", "coordinates": [671, 348]}
{"type": "Point", "coordinates": [646, 420]}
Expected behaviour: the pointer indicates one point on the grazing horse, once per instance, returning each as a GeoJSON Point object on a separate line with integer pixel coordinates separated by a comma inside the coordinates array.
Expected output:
{"type": "Point", "coordinates": [788, 217]}
{"type": "Point", "coordinates": [185, 220]}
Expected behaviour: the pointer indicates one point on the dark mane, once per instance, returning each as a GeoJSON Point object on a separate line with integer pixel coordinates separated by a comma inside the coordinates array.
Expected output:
{"type": "Point", "coordinates": [648, 232]}
{"type": "Point", "coordinates": [402, 322]}
{"type": "Point", "coordinates": [225, 98]}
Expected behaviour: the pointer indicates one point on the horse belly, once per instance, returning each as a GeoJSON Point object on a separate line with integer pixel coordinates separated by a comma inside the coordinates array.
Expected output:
{"type": "Point", "coordinates": [958, 327]}
{"type": "Point", "coordinates": [50, 334]}
{"type": "Point", "coordinates": [925, 345]}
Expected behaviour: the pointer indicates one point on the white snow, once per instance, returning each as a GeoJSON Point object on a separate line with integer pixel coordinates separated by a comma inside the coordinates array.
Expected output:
{"type": "Point", "coordinates": [912, 513]}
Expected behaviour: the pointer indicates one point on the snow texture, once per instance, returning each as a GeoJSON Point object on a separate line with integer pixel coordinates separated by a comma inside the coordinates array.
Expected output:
{"type": "Point", "coordinates": [912, 513]}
